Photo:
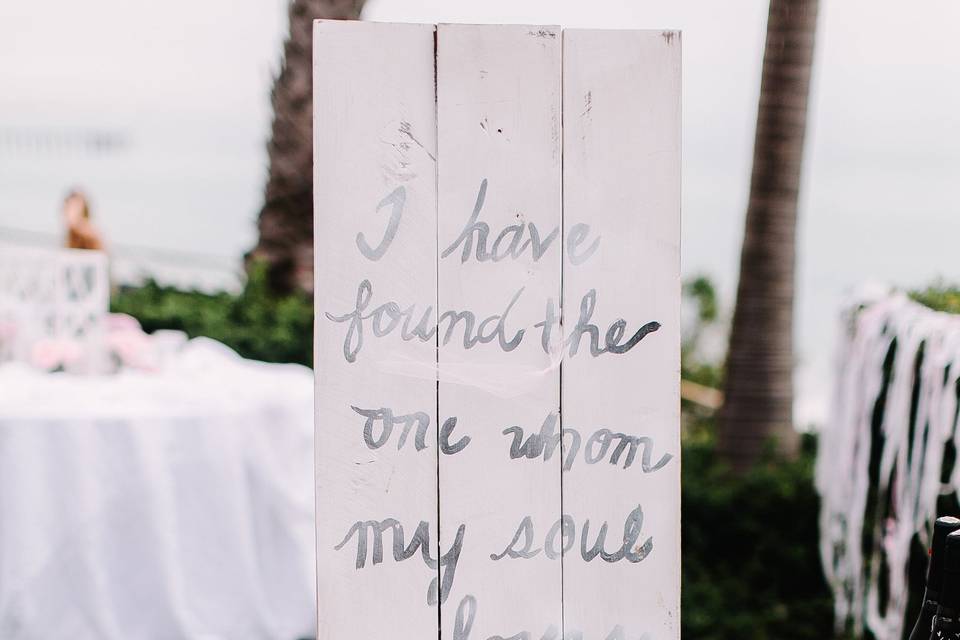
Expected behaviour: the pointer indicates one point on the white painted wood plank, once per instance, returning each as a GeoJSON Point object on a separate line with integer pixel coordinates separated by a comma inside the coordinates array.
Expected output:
{"type": "Point", "coordinates": [499, 100]}
{"type": "Point", "coordinates": [622, 177]}
{"type": "Point", "coordinates": [374, 149]}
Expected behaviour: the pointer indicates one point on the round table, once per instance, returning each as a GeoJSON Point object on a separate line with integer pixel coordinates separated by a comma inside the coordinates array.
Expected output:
{"type": "Point", "coordinates": [176, 504]}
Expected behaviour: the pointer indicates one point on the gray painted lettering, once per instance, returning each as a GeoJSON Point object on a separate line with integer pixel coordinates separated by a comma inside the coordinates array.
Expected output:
{"type": "Point", "coordinates": [578, 233]}
{"type": "Point", "coordinates": [509, 242]}
{"type": "Point", "coordinates": [441, 585]}
{"type": "Point", "coordinates": [396, 198]}
{"type": "Point", "coordinates": [387, 422]}
{"type": "Point", "coordinates": [614, 334]}
{"type": "Point", "coordinates": [444, 437]}
{"type": "Point", "coordinates": [546, 441]}
{"type": "Point", "coordinates": [384, 320]}
{"type": "Point", "coordinates": [525, 528]}
{"type": "Point", "coordinates": [565, 528]}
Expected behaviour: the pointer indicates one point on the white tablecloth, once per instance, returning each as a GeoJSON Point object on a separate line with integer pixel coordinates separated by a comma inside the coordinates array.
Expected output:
{"type": "Point", "coordinates": [162, 506]}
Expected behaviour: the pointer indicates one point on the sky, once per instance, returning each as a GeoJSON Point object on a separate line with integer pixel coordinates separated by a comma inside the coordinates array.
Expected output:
{"type": "Point", "coordinates": [184, 90]}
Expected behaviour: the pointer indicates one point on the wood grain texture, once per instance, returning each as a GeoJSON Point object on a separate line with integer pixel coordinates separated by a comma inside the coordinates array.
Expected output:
{"type": "Point", "coordinates": [478, 181]}
{"type": "Point", "coordinates": [374, 134]}
{"type": "Point", "coordinates": [499, 101]}
{"type": "Point", "coordinates": [622, 177]}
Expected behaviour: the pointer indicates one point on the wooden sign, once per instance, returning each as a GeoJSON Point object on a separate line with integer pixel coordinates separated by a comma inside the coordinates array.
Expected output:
{"type": "Point", "coordinates": [497, 332]}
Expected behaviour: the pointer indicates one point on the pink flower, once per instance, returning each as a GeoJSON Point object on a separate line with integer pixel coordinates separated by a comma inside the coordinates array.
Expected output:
{"type": "Point", "coordinates": [52, 354]}
{"type": "Point", "coordinates": [131, 347]}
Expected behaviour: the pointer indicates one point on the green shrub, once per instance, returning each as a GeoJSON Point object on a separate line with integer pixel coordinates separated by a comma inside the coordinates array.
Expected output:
{"type": "Point", "coordinates": [701, 292]}
{"type": "Point", "coordinates": [751, 565]}
{"type": "Point", "coordinates": [939, 296]}
{"type": "Point", "coordinates": [255, 323]}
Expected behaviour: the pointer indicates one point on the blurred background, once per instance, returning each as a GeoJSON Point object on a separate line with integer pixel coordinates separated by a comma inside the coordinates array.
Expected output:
{"type": "Point", "coordinates": [165, 117]}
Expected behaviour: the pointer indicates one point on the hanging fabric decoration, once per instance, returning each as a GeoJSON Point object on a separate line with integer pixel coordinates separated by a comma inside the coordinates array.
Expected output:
{"type": "Point", "coordinates": [887, 456]}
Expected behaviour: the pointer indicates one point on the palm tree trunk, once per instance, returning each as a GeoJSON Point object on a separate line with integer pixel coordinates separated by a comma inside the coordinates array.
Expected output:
{"type": "Point", "coordinates": [286, 219]}
{"type": "Point", "coordinates": [758, 406]}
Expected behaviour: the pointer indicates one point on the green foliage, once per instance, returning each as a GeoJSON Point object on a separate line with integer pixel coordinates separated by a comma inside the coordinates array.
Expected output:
{"type": "Point", "coordinates": [255, 323]}
{"type": "Point", "coordinates": [751, 566]}
{"type": "Point", "coordinates": [706, 373]}
{"type": "Point", "coordinates": [939, 296]}
{"type": "Point", "coordinates": [702, 294]}
{"type": "Point", "coordinates": [701, 290]}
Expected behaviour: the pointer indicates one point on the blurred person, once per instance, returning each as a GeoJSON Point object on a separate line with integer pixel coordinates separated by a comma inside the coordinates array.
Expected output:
{"type": "Point", "coordinates": [81, 233]}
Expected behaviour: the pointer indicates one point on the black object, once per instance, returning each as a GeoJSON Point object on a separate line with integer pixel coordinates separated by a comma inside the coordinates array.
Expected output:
{"type": "Point", "coordinates": [931, 593]}
{"type": "Point", "coordinates": [946, 624]}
